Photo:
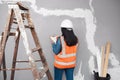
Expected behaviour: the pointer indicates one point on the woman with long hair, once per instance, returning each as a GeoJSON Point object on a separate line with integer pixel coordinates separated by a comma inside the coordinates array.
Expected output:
{"type": "Point", "coordinates": [65, 49]}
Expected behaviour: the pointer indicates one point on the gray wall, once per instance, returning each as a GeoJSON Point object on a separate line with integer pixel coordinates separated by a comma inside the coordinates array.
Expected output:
{"type": "Point", "coordinates": [93, 28]}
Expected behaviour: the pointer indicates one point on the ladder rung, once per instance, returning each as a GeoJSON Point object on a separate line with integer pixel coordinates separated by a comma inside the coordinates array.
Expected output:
{"type": "Point", "coordinates": [9, 69]}
{"type": "Point", "coordinates": [14, 19]}
{"type": "Point", "coordinates": [36, 49]}
{"type": "Point", "coordinates": [43, 72]}
{"type": "Point", "coordinates": [12, 34]}
{"type": "Point", "coordinates": [15, 22]}
{"type": "Point", "coordinates": [26, 26]}
{"type": "Point", "coordinates": [27, 61]}
{"type": "Point", "coordinates": [23, 11]}
{"type": "Point", "coordinates": [13, 28]}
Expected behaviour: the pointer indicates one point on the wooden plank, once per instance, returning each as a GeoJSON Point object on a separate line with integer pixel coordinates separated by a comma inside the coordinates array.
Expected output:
{"type": "Point", "coordinates": [37, 43]}
{"type": "Point", "coordinates": [25, 42]}
{"type": "Point", "coordinates": [106, 59]}
{"type": "Point", "coordinates": [15, 55]}
{"type": "Point", "coordinates": [102, 60]}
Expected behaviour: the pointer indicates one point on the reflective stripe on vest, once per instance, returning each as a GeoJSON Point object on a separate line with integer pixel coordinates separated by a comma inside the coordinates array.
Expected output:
{"type": "Point", "coordinates": [63, 56]}
{"type": "Point", "coordinates": [67, 55]}
{"type": "Point", "coordinates": [65, 63]}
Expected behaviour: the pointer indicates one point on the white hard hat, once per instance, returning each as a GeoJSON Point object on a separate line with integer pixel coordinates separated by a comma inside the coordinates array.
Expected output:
{"type": "Point", "coordinates": [66, 24]}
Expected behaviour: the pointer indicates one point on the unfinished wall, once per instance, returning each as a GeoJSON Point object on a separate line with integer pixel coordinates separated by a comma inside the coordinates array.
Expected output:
{"type": "Point", "coordinates": [95, 22]}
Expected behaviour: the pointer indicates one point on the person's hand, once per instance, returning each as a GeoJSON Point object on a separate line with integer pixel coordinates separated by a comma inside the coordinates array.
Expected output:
{"type": "Point", "coordinates": [53, 39]}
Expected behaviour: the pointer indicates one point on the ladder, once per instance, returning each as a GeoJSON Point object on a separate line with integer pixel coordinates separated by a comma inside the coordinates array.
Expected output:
{"type": "Point", "coordinates": [18, 13]}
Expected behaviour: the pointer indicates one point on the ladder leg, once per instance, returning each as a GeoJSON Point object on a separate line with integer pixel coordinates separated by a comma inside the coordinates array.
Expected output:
{"type": "Point", "coordinates": [3, 60]}
{"type": "Point", "coordinates": [4, 40]}
{"type": "Point", "coordinates": [3, 43]}
{"type": "Point", "coordinates": [45, 64]}
{"type": "Point", "coordinates": [4, 67]}
{"type": "Point", "coordinates": [15, 56]}
{"type": "Point", "coordinates": [37, 43]}
{"type": "Point", "coordinates": [26, 44]}
{"type": "Point", "coordinates": [5, 36]}
{"type": "Point", "coordinates": [0, 47]}
{"type": "Point", "coordinates": [41, 53]}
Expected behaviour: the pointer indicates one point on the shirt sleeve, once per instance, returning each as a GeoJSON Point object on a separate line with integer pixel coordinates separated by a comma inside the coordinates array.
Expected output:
{"type": "Point", "coordinates": [57, 46]}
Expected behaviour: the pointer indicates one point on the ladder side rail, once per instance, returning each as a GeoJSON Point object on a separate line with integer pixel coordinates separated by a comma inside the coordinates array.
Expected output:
{"type": "Point", "coordinates": [15, 55]}
{"type": "Point", "coordinates": [4, 66]}
{"type": "Point", "coordinates": [37, 43]}
{"type": "Point", "coordinates": [5, 35]}
{"type": "Point", "coordinates": [25, 42]}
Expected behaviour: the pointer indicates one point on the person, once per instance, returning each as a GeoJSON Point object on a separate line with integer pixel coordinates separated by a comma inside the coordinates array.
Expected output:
{"type": "Point", "coordinates": [65, 48]}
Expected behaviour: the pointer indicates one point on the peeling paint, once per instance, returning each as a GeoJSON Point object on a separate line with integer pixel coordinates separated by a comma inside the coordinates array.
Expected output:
{"type": "Point", "coordinates": [91, 63]}
{"type": "Point", "coordinates": [113, 60]}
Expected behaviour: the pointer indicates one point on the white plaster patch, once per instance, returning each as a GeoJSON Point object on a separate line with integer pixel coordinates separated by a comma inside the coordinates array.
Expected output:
{"type": "Point", "coordinates": [113, 60]}
{"type": "Point", "coordinates": [79, 75]}
{"type": "Point", "coordinates": [91, 64]}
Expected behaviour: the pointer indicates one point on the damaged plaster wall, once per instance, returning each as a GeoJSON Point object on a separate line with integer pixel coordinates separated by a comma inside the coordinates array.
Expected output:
{"type": "Point", "coordinates": [95, 22]}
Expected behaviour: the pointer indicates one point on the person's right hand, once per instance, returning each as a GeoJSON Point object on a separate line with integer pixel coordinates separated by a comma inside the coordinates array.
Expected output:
{"type": "Point", "coordinates": [54, 39]}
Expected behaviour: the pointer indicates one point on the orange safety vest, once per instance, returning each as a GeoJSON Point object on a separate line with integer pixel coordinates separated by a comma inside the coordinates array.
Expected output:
{"type": "Point", "coordinates": [67, 57]}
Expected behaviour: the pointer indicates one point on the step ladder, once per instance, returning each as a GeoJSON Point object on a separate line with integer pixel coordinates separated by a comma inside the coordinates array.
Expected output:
{"type": "Point", "coordinates": [18, 13]}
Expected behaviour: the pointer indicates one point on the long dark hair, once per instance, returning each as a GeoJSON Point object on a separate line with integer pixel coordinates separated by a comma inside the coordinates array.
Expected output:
{"type": "Point", "coordinates": [69, 36]}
